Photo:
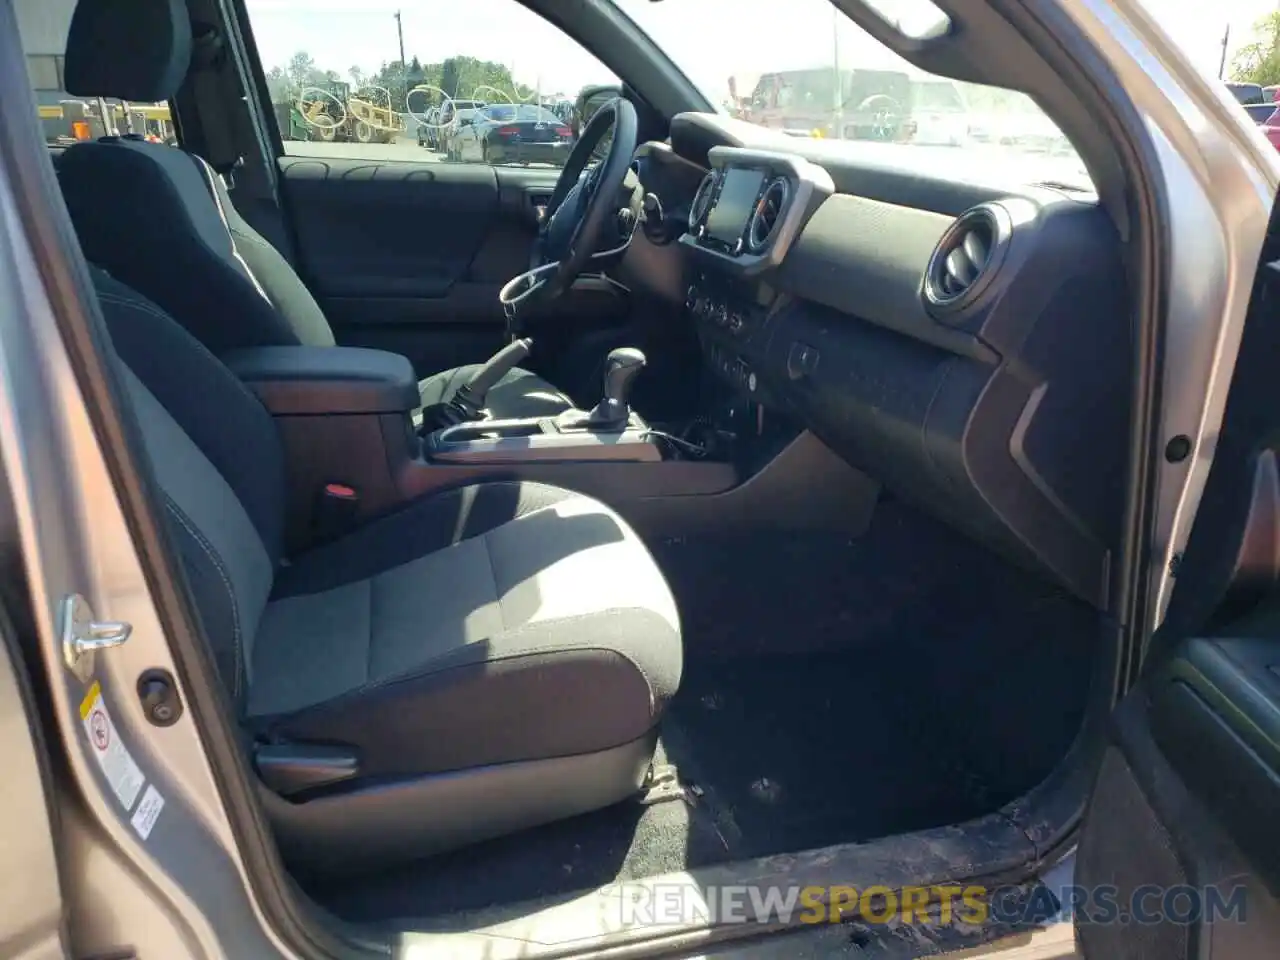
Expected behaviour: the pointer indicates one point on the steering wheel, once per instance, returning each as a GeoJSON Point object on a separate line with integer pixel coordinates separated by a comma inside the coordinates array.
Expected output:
{"type": "Point", "coordinates": [584, 201]}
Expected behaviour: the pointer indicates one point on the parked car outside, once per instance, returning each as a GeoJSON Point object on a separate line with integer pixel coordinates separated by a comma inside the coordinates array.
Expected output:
{"type": "Point", "coordinates": [429, 129]}
{"type": "Point", "coordinates": [452, 115]}
{"type": "Point", "coordinates": [1270, 126]}
{"type": "Point", "coordinates": [1260, 113]}
{"type": "Point", "coordinates": [513, 134]}
{"type": "Point", "coordinates": [1246, 92]}
{"type": "Point", "coordinates": [850, 104]}
{"type": "Point", "coordinates": [940, 113]}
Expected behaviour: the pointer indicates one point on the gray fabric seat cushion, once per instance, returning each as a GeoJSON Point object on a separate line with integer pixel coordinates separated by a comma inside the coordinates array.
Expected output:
{"type": "Point", "coordinates": [517, 395]}
{"type": "Point", "coordinates": [515, 637]}
{"type": "Point", "coordinates": [488, 624]}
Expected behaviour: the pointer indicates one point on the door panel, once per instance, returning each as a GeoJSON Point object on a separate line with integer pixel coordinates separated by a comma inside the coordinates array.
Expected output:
{"type": "Point", "coordinates": [410, 256]}
{"type": "Point", "coordinates": [386, 229]}
{"type": "Point", "coordinates": [1216, 714]}
{"type": "Point", "coordinates": [1182, 822]}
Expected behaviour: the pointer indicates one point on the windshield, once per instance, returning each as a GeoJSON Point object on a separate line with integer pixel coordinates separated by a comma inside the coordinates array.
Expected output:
{"type": "Point", "coordinates": [936, 95]}
{"type": "Point", "coordinates": [803, 68]}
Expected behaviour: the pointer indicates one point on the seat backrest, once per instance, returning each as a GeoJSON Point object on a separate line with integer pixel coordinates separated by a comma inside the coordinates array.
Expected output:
{"type": "Point", "coordinates": [219, 465]}
{"type": "Point", "coordinates": [183, 245]}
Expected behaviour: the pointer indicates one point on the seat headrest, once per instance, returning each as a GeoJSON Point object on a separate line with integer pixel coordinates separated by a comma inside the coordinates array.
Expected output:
{"type": "Point", "coordinates": [128, 49]}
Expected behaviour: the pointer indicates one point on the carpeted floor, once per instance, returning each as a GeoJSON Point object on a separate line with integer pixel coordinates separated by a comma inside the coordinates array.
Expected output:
{"type": "Point", "coordinates": [834, 691]}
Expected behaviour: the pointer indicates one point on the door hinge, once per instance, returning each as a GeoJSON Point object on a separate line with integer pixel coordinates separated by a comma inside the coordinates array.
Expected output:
{"type": "Point", "coordinates": [82, 635]}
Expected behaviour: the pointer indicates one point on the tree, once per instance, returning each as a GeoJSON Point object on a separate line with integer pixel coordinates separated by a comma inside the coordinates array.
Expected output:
{"type": "Point", "coordinates": [461, 77]}
{"type": "Point", "coordinates": [301, 70]}
{"type": "Point", "coordinates": [357, 77]}
{"type": "Point", "coordinates": [449, 77]}
{"type": "Point", "coordinates": [1259, 60]}
{"type": "Point", "coordinates": [278, 86]}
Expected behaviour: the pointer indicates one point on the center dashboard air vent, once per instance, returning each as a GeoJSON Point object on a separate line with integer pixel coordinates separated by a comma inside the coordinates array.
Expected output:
{"type": "Point", "coordinates": [768, 214]}
{"type": "Point", "coordinates": [967, 259]}
{"type": "Point", "coordinates": [701, 205]}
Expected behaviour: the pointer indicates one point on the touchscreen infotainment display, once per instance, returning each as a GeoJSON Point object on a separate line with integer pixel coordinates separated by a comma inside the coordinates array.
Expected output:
{"type": "Point", "coordinates": [728, 218]}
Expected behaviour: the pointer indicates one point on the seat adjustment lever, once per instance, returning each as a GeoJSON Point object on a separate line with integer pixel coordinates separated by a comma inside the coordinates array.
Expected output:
{"type": "Point", "coordinates": [289, 768]}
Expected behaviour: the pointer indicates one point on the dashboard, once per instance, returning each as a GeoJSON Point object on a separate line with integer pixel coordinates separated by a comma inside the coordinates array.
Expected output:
{"type": "Point", "coordinates": [968, 345]}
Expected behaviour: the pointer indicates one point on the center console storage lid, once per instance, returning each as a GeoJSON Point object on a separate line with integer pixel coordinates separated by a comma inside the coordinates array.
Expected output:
{"type": "Point", "coordinates": [300, 381]}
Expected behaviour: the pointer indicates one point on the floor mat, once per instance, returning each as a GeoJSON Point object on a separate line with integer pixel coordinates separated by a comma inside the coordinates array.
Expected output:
{"type": "Point", "coordinates": [834, 691]}
{"type": "Point", "coordinates": [793, 753]}
{"type": "Point", "coordinates": [839, 690]}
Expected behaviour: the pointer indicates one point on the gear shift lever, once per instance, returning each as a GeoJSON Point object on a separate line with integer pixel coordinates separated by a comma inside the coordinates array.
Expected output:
{"type": "Point", "coordinates": [621, 368]}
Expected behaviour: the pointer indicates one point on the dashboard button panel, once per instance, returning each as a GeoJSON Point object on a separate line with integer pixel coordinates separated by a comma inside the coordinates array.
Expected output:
{"type": "Point", "coordinates": [727, 325]}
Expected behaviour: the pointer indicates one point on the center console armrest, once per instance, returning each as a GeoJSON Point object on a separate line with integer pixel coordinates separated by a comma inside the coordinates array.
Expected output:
{"type": "Point", "coordinates": [302, 381]}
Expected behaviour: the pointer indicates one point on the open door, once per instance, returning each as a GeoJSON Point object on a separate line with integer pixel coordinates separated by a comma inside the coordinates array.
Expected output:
{"type": "Point", "coordinates": [1180, 854]}
{"type": "Point", "coordinates": [1180, 851]}
{"type": "Point", "coordinates": [31, 918]}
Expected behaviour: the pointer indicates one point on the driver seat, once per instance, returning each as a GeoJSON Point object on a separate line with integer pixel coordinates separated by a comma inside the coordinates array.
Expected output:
{"type": "Point", "coordinates": [191, 252]}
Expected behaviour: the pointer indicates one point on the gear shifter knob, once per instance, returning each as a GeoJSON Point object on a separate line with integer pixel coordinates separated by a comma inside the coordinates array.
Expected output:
{"type": "Point", "coordinates": [620, 370]}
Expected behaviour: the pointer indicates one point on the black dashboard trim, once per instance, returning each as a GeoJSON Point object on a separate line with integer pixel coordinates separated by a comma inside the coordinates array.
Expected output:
{"type": "Point", "coordinates": [863, 169]}
{"type": "Point", "coordinates": [1005, 417]}
{"type": "Point", "coordinates": [866, 259]}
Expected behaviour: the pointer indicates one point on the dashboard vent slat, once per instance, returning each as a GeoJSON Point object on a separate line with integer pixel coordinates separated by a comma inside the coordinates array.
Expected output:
{"type": "Point", "coordinates": [701, 205]}
{"type": "Point", "coordinates": [966, 258]}
{"type": "Point", "coordinates": [768, 213]}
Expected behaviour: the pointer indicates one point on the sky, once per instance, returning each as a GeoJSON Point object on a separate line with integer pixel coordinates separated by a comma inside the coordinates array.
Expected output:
{"type": "Point", "coordinates": [710, 40]}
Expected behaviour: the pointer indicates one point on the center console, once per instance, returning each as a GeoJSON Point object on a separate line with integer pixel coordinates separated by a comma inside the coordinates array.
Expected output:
{"type": "Point", "coordinates": [748, 211]}
{"type": "Point", "coordinates": [359, 444]}
{"type": "Point", "coordinates": [538, 441]}
{"type": "Point", "coordinates": [610, 431]}
{"type": "Point", "coordinates": [356, 447]}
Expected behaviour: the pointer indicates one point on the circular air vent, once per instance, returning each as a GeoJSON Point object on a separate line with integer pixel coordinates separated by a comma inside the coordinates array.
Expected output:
{"type": "Point", "coordinates": [768, 214]}
{"type": "Point", "coordinates": [966, 258]}
{"type": "Point", "coordinates": [702, 201]}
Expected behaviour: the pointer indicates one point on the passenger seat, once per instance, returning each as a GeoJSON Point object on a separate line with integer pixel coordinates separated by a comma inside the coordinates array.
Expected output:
{"type": "Point", "coordinates": [490, 658]}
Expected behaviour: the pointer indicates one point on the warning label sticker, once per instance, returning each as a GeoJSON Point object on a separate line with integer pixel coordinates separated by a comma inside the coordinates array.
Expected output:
{"type": "Point", "coordinates": [144, 818]}
{"type": "Point", "coordinates": [119, 767]}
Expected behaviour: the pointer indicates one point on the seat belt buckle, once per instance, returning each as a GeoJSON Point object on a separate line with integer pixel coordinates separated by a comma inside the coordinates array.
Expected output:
{"type": "Point", "coordinates": [336, 511]}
